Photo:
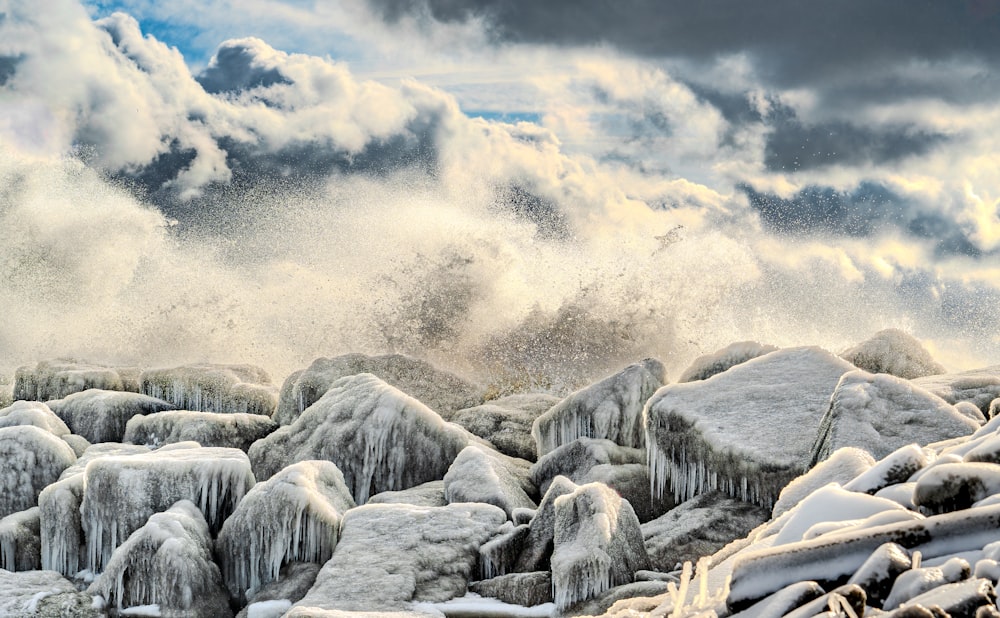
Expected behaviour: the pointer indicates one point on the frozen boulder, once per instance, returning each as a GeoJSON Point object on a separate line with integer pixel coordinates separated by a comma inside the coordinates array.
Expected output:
{"type": "Point", "coordinates": [894, 352]}
{"type": "Point", "coordinates": [631, 481]}
{"type": "Point", "coordinates": [101, 415]}
{"type": "Point", "coordinates": [842, 467]}
{"type": "Point", "coordinates": [122, 491]}
{"type": "Point", "coordinates": [57, 378]}
{"type": "Point", "coordinates": [33, 413]}
{"type": "Point", "coordinates": [526, 589]}
{"type": "Point", "coordinates": [213, 388]}
{"type": "Point", "coordinates": [915, 582]}
{"type": "Point", "coordinates": [878, 573]}
{"type": "Point", "coordinates": [430, 493]}
{"type": "Point", "coordinates": [956, 486]}
{"type": "Point", "coordinates": [44, 594]}
{"type": "Point", "coordinates": [480, 474]}
{"type": "Point", "coordinates": [30, 459]}
{"type": "Point", "coordinates": [168, 563]}
{"type": "Point", "coordinates": [959, 599]}
{"type": "Point", "coordinates": [783, 601]}
{"type": "Point", "coordinates": [708, 365]}
{"type": "Point", "coordinates": [828, 504]}
{"type": "Point", "coordinates": [20, 542]}
{"type": "Point", "coordinates": [896, 467]}
{"type": "Point", "coordinates": [293, 582]}
{"type": "Point", "coordinates": [608, 410]}
{"type": "Point", "coordinates": [499, 555]}
{"type": "Point", "coordinates": [537, 551]}
{"type": "Point", "coordinates": [379, 437]}
{"type": "Point", "coordinates": [236, 430]}
{"type": "Point", "coordinates": [506, 423]}
{"type": "Point", "coordinates": [441, 391]}
{"type": "Point", "coordinates": [881, 413]}
{"type": "Point", "coordinates": [292, 517]}
{"type": "Point", "coordinates": [747, 431]}
{"type": "Point", "coordinates": [575, 459]}
{"type": "Point", "coordinates": [392, 554]}
{"type": "Point", "coordinates": [979, 386]}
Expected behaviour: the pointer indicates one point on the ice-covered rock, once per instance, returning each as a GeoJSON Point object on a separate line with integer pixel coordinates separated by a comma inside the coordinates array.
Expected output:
{"type": "Point", "coordinates": [293, 582]}
{"type": "Point", "coordinates": [55, 379]}
{"type": "Point", "coordinates": [879, 572]}
{"type": "Point", "coordinates": [608, 410]}
{"type": "Point", "coordinates": [235, 430]}
{"type": "Point", "coordinates": [100, 415]}
{"type": "Point", "coordinates": [747, 431]}
{"type": "Point", "coordinates": [844, 600]}
{"type": "Point", "coordinates": [480, 474]}
{"type": "Point", "coordinates": [168, 563]}
{"type": "Point", "coordinates": [881, 413]}
{"type": "Point", "coordinates": [292, 517]}
{"type": "Point", "coordinates": [379, 437]}
{"type": "Point", "coordinates": [30, 459]}
{"type": "Point", "coordinates": [537, 552]}
{"type": "Point", "coordinates": [783, 601]}
{"type": "Point", "coordinates": [843, 466]}
{"type": "Point", "coordinates": [430, 493]}
{"type": "Point", "coordinates": [894, 468]}
{"type": "Point", "coordinates": [707, 365]}
{"type": "Point", "coordinates": [213, 388]}
{"type": "Point", "coordinates": [831, 503]}
{"type": "Point", "coordinates": [894, 352]}
{"type": "Point", "coordinates": [121, 492]}
{"type": "Point", "coordinates": [443, 392]}
{"type": "Point", "coordinates": [506, 423]}
{"type": "Point", "coordinates": [631, 481]}
{"type": "Point", "coordinates": [33, 413]}
{"type": "Point", "coordinates": [915, 582]}
{"type": "Point", "coordinates": [20, 542]}
{"type": "Point", "coordinates": [959, 599]}
{"type": "Point", "coordinates": [575, 459]}
{"type": "Point", "coordinates": [44, 594]}
{"type": "Point", "coordinates": [597, 544]}
{"type": "Point", "coordinates": [526, 589]}
{"type": "Point", "coordinates": [979, 386]}
{"type": "Point", "coordinates": [392, 554]}
{"type": "Point", "coordinates": [499, 555]}
{"type": "Point", "coordinates": [956, 486]}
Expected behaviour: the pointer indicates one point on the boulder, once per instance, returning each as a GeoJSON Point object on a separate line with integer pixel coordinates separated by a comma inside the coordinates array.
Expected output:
{"type": "Point", "coordinates": [20, 541]}
{"type": "Point", "coordinates": [45, 594]}
{"type": "Point", "coordinates": [30, 459]}
{"type": "Point", "coordinates": [480, 474]}
{"type": "Point", "coordinates": [33, 413]}
{"type": "Point", "coordinates": [708, 365]}
{"type": "Point", "coordinates": [101, 415]}
{"type": "Point", "coordinates": [430, 493]}
{"type": "Point", "coordinates": [235, 430]}
{"type": "Point", "coordinates": [979, 386]}
{"type": "Point", "coordinates": [506, 423]}
{"type": "Point", "coordinates": [527, 589]}
{"type": "Point", "coordinates": [54, 379]}
{"type": "Point", "coordinates": [213, 388]}
{"type": "Point", "coordinates": [575, 460]}
{"type": "Point", "coordinates": [893, 352]}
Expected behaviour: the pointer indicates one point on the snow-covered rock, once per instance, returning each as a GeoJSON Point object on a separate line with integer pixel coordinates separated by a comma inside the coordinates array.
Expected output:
{"type": "Point", "coordinates": [979, 386]}
{"type": "Point", "coordinates": [610, 409]}
{"type": "Point", "coordinates": [443, 392]}
{"type": "Point", "coordinates": [894, 468]}
{"type": "Point", "coordinates": [959, 599]}
{"type": "Point", "coordinates": [956, 486]}
{"type": "Point", "coordinates": [527, 589]}
{"type": "Point", "coordinates": [881, 413]}
{"type": "Point", "coordinates": [831, 503]}
{"type": "Point", "coordinates": [537, 552]}
{"type": "Point", "coordinates": [631, 481]}
{"type": "Point", "coordinates": [379, 437]}
{"type": "Point", "coordinates": [480, 474]}
{"type": "Point", "coordinates": [33, 413]}
{"type": "Point", "coordinates": [392, 554]}
{"type": "Point", "coordinates": [575, 459]}
{"type": "Point", "coordinates": [213, 388]}
{"type": "Point", "coordinates": [707, 365]}
{"type": "Point", "coordinates": [879, 572]}
{"type": "Point", "coordinates": [292, 517]}
{"type": "Point", "coordinates": [101, 415]}
{"type": "Point", "coordinates": [842, 467]}
{"type": "Point", "coordinates": [20, 542]}
{"type": "Point", "coordinates": [30, 459]}
{"type": "Point", "coordinates": [55, 379]}
{"type": "Point", "coordinates": [747, 431]}
{"type": "Point", "coordinates": [506, 423]}
{"type": "Point", "coordinates": [917, 581]}
{"type": "Point", "coordinates": [235, 430]}
{"type": "Point", "coordinates": [894, 352]}
{"type": "Point", "coordinates": [430, 493]}
{"type": "Point", "coordinates": [168, 563]}
{"type": "Point", "coordinates": [783, 601]}
{"type": "Point", "coordinates": [44, 594]}
{"type": "Point", "coordinates": [274, 598]}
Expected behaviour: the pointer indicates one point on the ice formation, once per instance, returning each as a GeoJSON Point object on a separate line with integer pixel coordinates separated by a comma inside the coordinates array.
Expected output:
{"type": "Point", "coordinates": [292, 517]}
{"type": "Point", "coordinates": [506, 422]}
{"type": "Point", "coordinates": [121, 492]}
{"type": "Point", "coordinates": [30, 459]}
{"type": "Point", "coordinates": [213, 388]}
{"type": "Point", "coordinates": [391, 554]}
{"type": "Point", "coordinates": [235, 430]}
{"type": "Point", "coordinates": [896, 467]}
{"type": "Point", "coordinates": [881, 413]}
{"type": "Point", "coordinates": [57, 378]}
{"type": "Point", "coordinates": [294, 581]}
{"type": "Point", "coordinates": [480, 474]}
{"type": "Point", "coordinates": [575, 459]}
{"type": "Point", "coordinates": [44, 594]}
{"type": "Point", "coordinates": [708, 365]}
{"type": "Point", "coordinates": [33, 413]}
{"type": "Point", "coordinates": [955, 486]}
{"type": "Point", "coordinates": [979, 386]}
{"type": "Point", "coordinates": [168, 563]}
{"type": "Point", "coordinates": [747, 431]}
{"type": "Point", "coordinates": [844, 466]}
{"type": "Point", "coordinates": [597, 544]}
{"type": "Point", "coordinates": [917, 581]}
{"type": "Point", "coordinates": [430, 493]}
{"type": "Point", "coordinates": [20, 544]}
{"type": "Point", "coordinates": [893, 352]}
{"type": "Point", "coordinates": [101, 415]}
{"type": "Point", "coordinates": [525, 589]}
{"type": "Point", "coordinates": [379, 437]}
{"type": "Point", "coordinates": [609, 410]}
{"type": "Point", "coordinates": [443, 392]}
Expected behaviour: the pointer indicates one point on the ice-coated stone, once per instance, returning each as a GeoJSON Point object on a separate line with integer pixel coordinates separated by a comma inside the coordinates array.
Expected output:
{"type": "Point", "coordinates": [101, 415]}
{"type": "Point", "coordinates": [959, 599]}
{"type": "Point", "coordinates": [896, 467]}
{"type": "Point", "coordinates": [541, 531]}
{"type": "Point", "coordinates": [506, 423]}
{"type": "Point", "coordinates": [213, 388]}
{"type": "Point", "coordinates": [20, 543]}
{"type": "Point", "coordinates": [30, 459]}
{"type": "Point", "coordinates": [894, 352]}
{"type": "Point", "coordinates": [44, 594]}
{"type": "Point", "coordinates": [878, 573]}
{"type": "Point", "coordinates": [575, 459]}
{"type": "Point", "coordinates": [881, 413]}
{"type": "Point", "coordinates": [430, 493]}
{"type": "Point", "coordinates": [379, 437]}
{"type": "Point", "coordinates": [55, 379]}
{"type": "Point", "coordinates": [631, 481]}
{"type": "Point", "coordinates": [167, 562]}
{"type": "Point", "coordinates": [597, 544]}
{"type": "Point", "coordinates": [79, 444]}
{"type": "Point", "coordinates": [979, 386]}
{"type": "Point", "coordinates": [828, 504]}
{"type": "Point", "coordinates": [783, 601]}
{"type": "Point", "coordinates": [601, 604]}
{"type": "Point", "coordinates": [441, 391]}
{"type": "Point", "coordinates": [527, 589]}
{"type": "Point", "coordinates": [987, 451]}
{"type": "Point", "coordinates": [707, 365]}
{"type": "Point", "coordinates": [33, 413]}
{"type": "Point", "coordinates": [915, 582]}
{"type": "Point", "coordinates": [121, 492]}
{"type": "Point", "coordinates": [292, 517]}
{"type": "Point", "coordinates": [499, 555]}
{"type": "Point", "coordinates": [480, 474]}
{"type": "Point", "coordinates": [956, 486]}
{"type": "Point", "coordinates": [832, 604]}
{"type": "Point", "coordinates": [235, 430]}
{"type": "Point", "coordinates": [608, 410]}
{"type": "Point", "coordinates": [747, 431]}
{"type": "Point", "coordinates": [294, 581]}
{"type": "Point", "coordinates": [391, 554]}
{"type": "Point", "coordinates": [843, 466]}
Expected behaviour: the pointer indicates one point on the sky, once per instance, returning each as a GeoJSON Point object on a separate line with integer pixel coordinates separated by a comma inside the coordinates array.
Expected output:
{"type": "Point", "coordinates": [509, 177]}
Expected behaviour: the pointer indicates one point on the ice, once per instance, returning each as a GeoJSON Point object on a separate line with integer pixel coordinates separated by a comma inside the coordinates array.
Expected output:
{"type": "Point", "coordinates": [430, 493]}
{"type": "Point", "coordinates": [747, 431]}
{"type": "Point", "coordinates": [33, 413]}
{"type": "Point", "coordinates": [831, 503]}
{"type": "Point", "coordinates": [597, 544]}
{"type": "Point", "coordinates": [954, 486]}
{"type": "Point", "coordinates": [610, 409]}
{"type": "Point", "coordinates": [30, 459]}
{"type": "Point", "coordinates": [541, 531]}
{"type": "Point", "coordinates": [213, 388]}
{"type": "Point", "coordinates": [878, 573]}
{"type": "Point", "coordinates": [959, 599]}
{"type": "Point", "coordinates": [499, 555]}
{"type": "Point", "coordinates": [379, 437]}
{"type": "Point", "coordinates": [575, 459]}
{"type": "Point", "coordinates": [523, 589]}
{"type": "Point", "coordinates": [506, 423]}
{"type": "Point", "coordinates": [121, 492]}
{"type": "Point", "coordinates": [101, 415]}
{"type": "Point", "coordinates": [480, 474]}
{"type": "Point", "coordinates": [443, 392]}
{"type": "Point", "coordinates": [294, 581]}
{"type": "Point", "coordinates": [57, 378]}
{"type": "Point", "coordinates": [896, 467]}
{"type": "Point", "coordinates": [988, 450]}
{"type": "Point", "coordinates": [43, 594]}
{"type": "Point", "coordinates": [708, 365]}
{"type": "Point", "coordinates": [235, 430]}
{"type": "Point", "coordinates": [979, 386]}
{"type": "Point", "coordinates": [268, 609]}
{"type": "Point", "coordinates": [894, 352]}
{"type": "Point", "coordinates": [783, 601]}
{"type": "Point", "coordinates": [631, 481]}
{"type": "Point", "coordinates": [167, 562]}
{"type": "Point", "coordinates": [881, 413]}
{"type": "Point", "coordinates": [293, 516]}
{"type": "Point", "coordinates": [919, 580]}
{"type": "Point", "coordinates": [474, 605]}
{"type": "Point", "coordinates": [20, 545]}
{"type": "Point", "coordinates": [842, 467]}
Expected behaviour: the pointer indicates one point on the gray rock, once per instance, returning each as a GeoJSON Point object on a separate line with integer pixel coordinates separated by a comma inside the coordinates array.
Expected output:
{"type": "Point", "coordinates": [506, 423]}
{"type": "Point", "coordinates": [101, 415]}
{"type": "Point", "coordinates": [30, 459]}
{"type": "Point", "coordinates": [527, 589]}
{"type": "Point", "coordinates": [708, 365]}
{"type": "Point", "coordinates": [293, 582]}
{"type": "Point", "coordinates": [430, 493]}
{"type": "Point", "coordinates": [20, 541]}
{"type": "Point", "coordinates": [894, 352]}
{"type": "Point", "coordinates": [575, 460]}
{"type": "Point", "coordinates": [235, 430]}
{"type": "Point", "coordinates": [480, 474]}
{"type": "Point", "coordinates": [213, 388]}
{"type": "Point", "coordinates": [54, 379]}
{"type": "Point", "coordinates": [52, 596]}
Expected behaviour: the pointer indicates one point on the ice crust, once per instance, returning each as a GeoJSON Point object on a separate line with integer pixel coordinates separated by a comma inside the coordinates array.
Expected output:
{"type": "Point", "coordinates": [235, 430]}
{"type": "Point", "coordinates": [30, 459]}
{"type": "Point", "coordinates": [610, 409]}
{"type": "Point", "coordinates": [213, 388]}
{"type": "Point", "coordinates": [33, 413]}
{"type": "Point", "coordinates": [55, 379]}
{"type": "Point", "coordinates": [20, 543]}
{"type": "Point", "coordinates": [707, 365]}
{"type": "Point", "coordinates": [101, 415]}
{"type": "Point", "coordinates": [480, 474]}
{"type": "Point", "coordinates": [893, 352]}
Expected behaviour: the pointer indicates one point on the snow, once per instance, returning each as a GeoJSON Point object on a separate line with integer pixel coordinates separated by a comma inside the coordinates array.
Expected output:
{"type": "Point", "coordinates": [268, 609]}
{"type": "Point", "coordinates": [953, 486]}
{"type": "Point", "coordinates": [506, 422]}
{"type": "Point", "coordinates": [20, 546]}
{"type": "Point", "coordinates": [475, 605]}
{"type": "Point", "coordinates": [575, 460]}
{"type": "Point", "coordinates": [894, 352]}
{"type": "Point", "coordinates": [980, 386]}
{"type": "Point", "coordinates": [783, 601]}
{"type": "Point", "coordinates": [430, 493]}
{"type": "Point", "coordinates": [235, 430]}
{"type": "Point", "coordinates": [842, 467]}
{"type": "Point", "coordinates": [747, 431]}
{"type": "Point", "coordinates": [831, 503]}
{"type": "Point", "coordinates": [896, 467]}
{"type": "Point", "coordinates": [379, 437]}
{"type": "Point", "coordinates": [519, 589]}
{"type": "Point", "coordinates": [959, 598]}
{"type": "Point", "coordinates": [879, 572]}
{"type": "Point", "coordinates": [101, 415]}
{"type": "Point", "coordinates": [919, 580]}
{"type": "Point", "coordinates": [480, 474]}
{"type": "Point", "coordinates": [30, 459]}
{"type": "Point", "coordinates": [57, 378]}
{"type": "Point", "coordinates": [43, 594]}
{"type": "Point", "coordinates": [610, 409]}
{"type": "Point", "coordinates": [33, 413]}
{"type": "Point", "coordinates": [213, 388]}
{"type": "Point", "coordinates": [708, 365]}
{"type": "Point", "coordinates": [293, 516]}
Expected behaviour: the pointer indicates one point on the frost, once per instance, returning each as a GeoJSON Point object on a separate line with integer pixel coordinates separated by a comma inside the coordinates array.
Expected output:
{"type": "Point", "coordinates": [33, 413]}
{"type": "Point", "coordinates": [506, 423]}
{"type": "Point", "coordinates": [480, 474]}
{"type": "Point", "coordinates": [708, 365]}
{"type": "Point", "coordinates": [842, 467]}
{"type": "Point", "coordinates": [30, 459]}
{"type": "Point", "coordinates": [954, 486]}
{"type": "Point", "coordinates": [213, 388]}
{"type": "Point", "coordinates": [235, 430]}
{"type": "Point", "coordinates": [43, 593]}
{"type": "Point", "coordinates": [576, 459]}
{"type": "Point", "coordinates": [293, 516]}
{"type": "Point", "coordinates": [57, 378]}
{"type": "Point", "coordinates": [979, 386]}
{"type": "Point", "coordinates": [100, 415]}
{"type": "Point", "coordinates": [896, 467]}
{"type": "Point", "coordinates": [20, 547]}
{"type": "Point", "coordinates": [895, 352]}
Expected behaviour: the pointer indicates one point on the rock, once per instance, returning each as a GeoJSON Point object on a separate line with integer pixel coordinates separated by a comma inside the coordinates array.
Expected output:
{"type": "Point", "coordinates": [430, 493]}
{"type": "Point", "coordinates": [878, 573]}
{"type": "Point", "coordinates": [527, 589]}
{"type": "Point", "coordinates": [979, 386]}
{"type": "Point", "coordinates": [101, 415]}
{"type": "Point", "coordinates": [575, 460]}
{"type": "Point", "coordinates": [20, 542]}
{"type": "Point", "coordinates": [480, 474]}
{"type": "Point", "coordinates": [896, 467]}
{"type": "Point", "coordinates": [708, 365]}
{"type": "Point", "coordinates": [606, 600]}
{"type": "Point", "coordinates": [47, 595]}
{"type": "Point", "coordinates": [235, 430]}
{"type": "Point", "coordinates": [851, 596]}
{"type": "Point", "coordinates": [915, 582]}
{"type": "Point", "coordinates": [783, 601]}
{"type": "Point", "coordinates": [893, 352]}
{"type": "Point", "coordinates": [541, 531]}
{"type": "Point", "coordinates": [631, 481]}
{"type": "Point", "coordinates": [956, 486]}
{"type": "Point", "coordinates": [842, 467]}
{"type": "Point", "coordinates": [506, 423]}
{"type": "Point", "coordinates": [959, 600]}
{"type": "Point", "coordinates": [293, 582]}
{"type": "Point", "coordinates": [57, 378]}
{"type": "Point", "coordinates": [499, 555]}
{"type": "Point", "coordinates": [30, 459]}
{"type": "Point", "coordinates": [213, 388]}
{"type": "Point", "coordinates": [34, 413]}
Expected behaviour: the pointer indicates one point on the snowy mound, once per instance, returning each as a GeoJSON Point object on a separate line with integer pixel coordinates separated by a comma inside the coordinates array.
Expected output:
{"type": "Point", "coordinates": [57, 378]}
{"type": "Point", "coordinates": [978, 386]}
{"type": "Point", "coordinates": [506, 423]}
{"type": "Point", "coordinates": [20, 541]}
{"type": "Point", "coordinates": [881, 413]}
{"type": "Point", "coordinates": [236, 430]}
{"type": "Point", "coordinates": [101, 415]}
{"type": "Point", "coordinates": [33, 413]}
{"type": "Point", "coordinates": [430, 493]}
{"type": "Point", "coordinates": [747, 431]}
{"type": "Point", "coordinates": [708, 365]}
{"type": "Point", "coordinates": [610, 409]}
{"type": "Point", "coordinates": [894, 352]}
{"type": "Point", "coordinates": [292, 517]}
{"type": "Point", "coordinates": [379, 437]}
{"type": "Point", "coordinates": [30, 459]}
{"type": "Point", "coordinates": [480, 474]}
{"type": "Point", "coordinates": [213, 388]}
{"type": "Point", "coordinates": [43, 594]}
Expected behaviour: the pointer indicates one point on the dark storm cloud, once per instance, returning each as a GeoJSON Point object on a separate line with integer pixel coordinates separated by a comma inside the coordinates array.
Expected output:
{"type": "Point", "coordinates": [235, 67]}
{"type": "Point", "coordinates": [8, 66]}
